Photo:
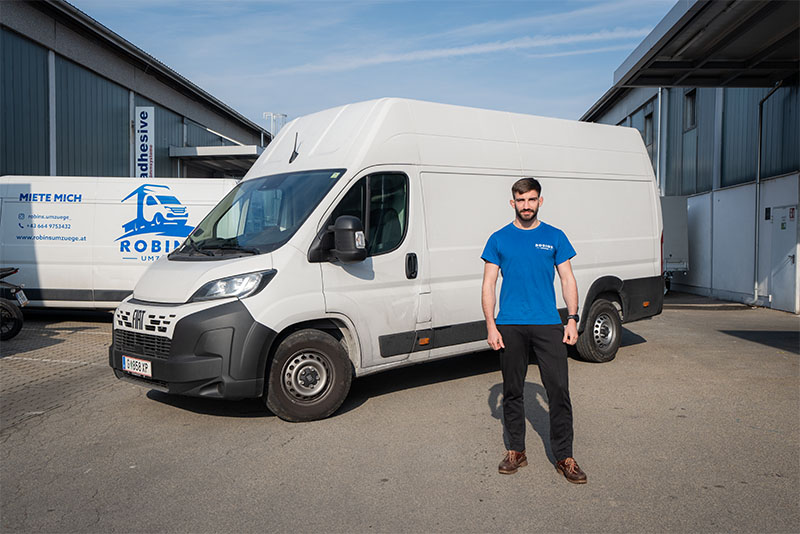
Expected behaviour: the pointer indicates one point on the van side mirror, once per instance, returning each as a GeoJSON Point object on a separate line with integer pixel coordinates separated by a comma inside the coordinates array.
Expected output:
{"type": "Point", "coordinates": [350, 245]}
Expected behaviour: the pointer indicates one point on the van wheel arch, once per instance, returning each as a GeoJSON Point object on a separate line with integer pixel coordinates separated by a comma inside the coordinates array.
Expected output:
{"type": "Point", "coordinates": [338, 329]}
{"type": "Point", "coordinates": [608, 288]}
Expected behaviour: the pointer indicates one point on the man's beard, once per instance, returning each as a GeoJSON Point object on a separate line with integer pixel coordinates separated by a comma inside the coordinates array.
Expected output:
{"type": "Point", "coordinates": [525, 215]}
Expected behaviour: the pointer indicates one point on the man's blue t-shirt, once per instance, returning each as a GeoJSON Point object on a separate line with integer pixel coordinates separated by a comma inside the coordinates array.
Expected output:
{"type": "Point", "coordinates": [527, 260]}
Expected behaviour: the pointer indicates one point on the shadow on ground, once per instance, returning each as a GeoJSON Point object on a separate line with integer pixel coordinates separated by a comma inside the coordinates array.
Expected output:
{"type": "Point", "coordinates": [535, 412]}
{"type": "Point", "coordinates": [365, 388]}
{"type": "Point", "coordinates": [362, 390]}
{"type": "Point", "coordinates": [246, 408]}
{"type": "Point", "coordinates": [42, 328]}
{"type": "Point", "coordinates": [788, 340]}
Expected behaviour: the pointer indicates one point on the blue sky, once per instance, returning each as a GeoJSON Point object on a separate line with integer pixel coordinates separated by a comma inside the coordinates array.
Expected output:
{"type": "Point", "coordinates": [552, 58]}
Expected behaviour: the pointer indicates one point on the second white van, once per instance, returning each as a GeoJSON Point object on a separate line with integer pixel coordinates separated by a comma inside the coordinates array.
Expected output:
{"type": "Point", "coordinates": [353, 246]}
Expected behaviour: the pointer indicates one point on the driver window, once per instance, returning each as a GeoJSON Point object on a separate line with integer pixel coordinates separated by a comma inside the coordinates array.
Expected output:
{"type": "Point", "coordinates": [386, 218]}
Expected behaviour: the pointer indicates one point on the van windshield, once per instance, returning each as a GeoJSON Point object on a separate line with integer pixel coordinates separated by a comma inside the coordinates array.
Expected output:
{"type": "Point", "coordinates": [258, 215]}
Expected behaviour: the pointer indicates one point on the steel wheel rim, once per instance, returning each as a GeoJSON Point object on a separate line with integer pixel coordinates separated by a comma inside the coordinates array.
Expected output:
{"type": "Point", "coordinates": [306, 376]}
{"type": "Point", "coordinates": [603, 331]}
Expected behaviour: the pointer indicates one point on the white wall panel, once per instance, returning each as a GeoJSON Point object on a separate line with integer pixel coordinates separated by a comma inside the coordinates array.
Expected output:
{"type": "Point", "coordinates": [733, 239]}
{"type": "Point", "coordinates": [699, 220]}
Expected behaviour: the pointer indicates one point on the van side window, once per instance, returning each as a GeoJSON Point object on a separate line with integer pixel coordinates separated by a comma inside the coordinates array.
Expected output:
{"type": "Point", "coordinates": [386, 216]}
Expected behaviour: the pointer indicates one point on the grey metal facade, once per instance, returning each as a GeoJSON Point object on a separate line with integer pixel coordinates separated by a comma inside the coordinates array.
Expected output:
{"type": "Point", "coordinates": [24, 140]}
{"type": "Point", "coordinates": [689, 148]}
{"type": "Point", "coordinates": [69, 88]}
{"type": "Point", "coordinates": [92, 123]}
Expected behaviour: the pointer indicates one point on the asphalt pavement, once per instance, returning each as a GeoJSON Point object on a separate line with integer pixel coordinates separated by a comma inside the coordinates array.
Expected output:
{"type": "Point", "coordinates": [694, 427]}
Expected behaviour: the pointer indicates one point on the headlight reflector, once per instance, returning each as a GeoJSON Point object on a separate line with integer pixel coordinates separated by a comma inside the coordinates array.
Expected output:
{"type": "Point", "coordinates": [240, 286]}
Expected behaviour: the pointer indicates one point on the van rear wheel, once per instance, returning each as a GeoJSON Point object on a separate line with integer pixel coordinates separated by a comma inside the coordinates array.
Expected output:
{"type": "Point", "coordinates": [602, 334]}
{"type": "Point", "coordinates": [309, 378]}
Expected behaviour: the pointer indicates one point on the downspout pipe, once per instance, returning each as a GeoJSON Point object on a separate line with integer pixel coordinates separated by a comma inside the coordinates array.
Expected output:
{"type": "Point", "coordinates": [758, 188]}
{"type": "Point", "coordinates": [658, 147]}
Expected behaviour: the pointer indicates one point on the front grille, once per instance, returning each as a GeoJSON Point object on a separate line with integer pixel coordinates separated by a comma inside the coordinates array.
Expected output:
{"type": "Point", "coordinates": [150, 321]}
{"type": "Point", "coordinates": [142, 344]}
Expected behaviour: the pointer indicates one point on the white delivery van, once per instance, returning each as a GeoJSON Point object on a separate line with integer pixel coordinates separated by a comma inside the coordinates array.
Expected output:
{"type": "Point", "coordinates": [83, 242]}
{"type": "Point", "coordinates": [353, 246]}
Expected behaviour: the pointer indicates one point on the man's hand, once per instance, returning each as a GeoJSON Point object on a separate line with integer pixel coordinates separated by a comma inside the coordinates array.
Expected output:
{"type": "Point", "coordinates": [495, 340]}
{"type": "Point", "coordinates": [570, 332]}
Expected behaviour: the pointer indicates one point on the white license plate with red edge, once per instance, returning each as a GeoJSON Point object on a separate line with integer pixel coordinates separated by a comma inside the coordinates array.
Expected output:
{"type": "Point", "coordinates": [21, 298]}
{"type": "Point", "coordinates": [136, 366]}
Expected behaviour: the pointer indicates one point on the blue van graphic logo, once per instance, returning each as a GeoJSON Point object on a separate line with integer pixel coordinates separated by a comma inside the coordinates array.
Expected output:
{"type": "Point", "coordinates": [157, 212]}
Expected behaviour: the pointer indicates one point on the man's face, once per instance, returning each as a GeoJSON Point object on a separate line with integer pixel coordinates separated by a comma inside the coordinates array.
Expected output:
{"type": "Point", "coordinates": [526, 205]}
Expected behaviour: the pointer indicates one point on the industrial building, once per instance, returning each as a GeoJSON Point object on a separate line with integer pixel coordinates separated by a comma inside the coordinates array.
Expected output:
{"type": "Point", "coordinates": [76, 99]}
{"type": "Point", "coordinates": [713, 89]}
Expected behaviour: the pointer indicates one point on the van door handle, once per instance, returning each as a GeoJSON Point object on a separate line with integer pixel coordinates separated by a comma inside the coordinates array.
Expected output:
{"type": "Point", "coordinates": [411, 265]}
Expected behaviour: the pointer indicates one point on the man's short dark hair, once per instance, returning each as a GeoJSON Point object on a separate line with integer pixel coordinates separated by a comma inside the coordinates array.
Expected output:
{"type": "Point", "coordinates": [523, 185]}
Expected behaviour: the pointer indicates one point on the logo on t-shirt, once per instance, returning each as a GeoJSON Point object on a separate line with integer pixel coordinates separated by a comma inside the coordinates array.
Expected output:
{"type": "Point", "coordinates": [543, 246]}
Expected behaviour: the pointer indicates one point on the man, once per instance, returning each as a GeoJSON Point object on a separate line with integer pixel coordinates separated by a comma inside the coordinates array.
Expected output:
{"type": "Point", "coordinates": [526, 252]}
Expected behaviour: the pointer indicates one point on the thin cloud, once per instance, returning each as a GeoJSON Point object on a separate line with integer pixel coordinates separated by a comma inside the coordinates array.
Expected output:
{"type": "Point", "coordinates": [498, 26]}
{"type": "Point", "coordinates": [353, 63]}
{"type": "Point", "coordinates": [629, 46]}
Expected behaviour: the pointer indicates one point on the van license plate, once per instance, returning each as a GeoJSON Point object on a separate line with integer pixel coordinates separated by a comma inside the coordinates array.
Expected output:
{"type": "Point", "coordinates": [136, 366]}
{"type": "Point", "coordinates": [21, 298]}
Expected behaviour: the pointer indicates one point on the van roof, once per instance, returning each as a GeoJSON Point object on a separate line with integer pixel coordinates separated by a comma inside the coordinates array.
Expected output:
{"type": "Point", "coordinates": [412, 132]}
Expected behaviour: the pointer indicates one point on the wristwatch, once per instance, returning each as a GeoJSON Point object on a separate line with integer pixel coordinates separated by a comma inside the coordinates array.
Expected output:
{"type": "Point", "coordinates": [576, 317]}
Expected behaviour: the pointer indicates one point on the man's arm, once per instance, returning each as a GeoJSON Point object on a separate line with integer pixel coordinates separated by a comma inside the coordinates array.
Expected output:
{"type": "Point", "coordinates": [569, 290]}
{"type": "Point", "coordinates": [488, 301]}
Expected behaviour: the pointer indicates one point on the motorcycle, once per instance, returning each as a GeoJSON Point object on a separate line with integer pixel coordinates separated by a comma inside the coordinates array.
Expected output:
{"type": "Point", "coordinates": [10, 311]}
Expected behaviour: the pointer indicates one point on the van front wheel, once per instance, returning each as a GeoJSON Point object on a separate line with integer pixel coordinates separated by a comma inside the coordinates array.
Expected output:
{"type": "Point", "coordinates": [309, 377]}
{"type": "Point", "coordinates": [601, 336]}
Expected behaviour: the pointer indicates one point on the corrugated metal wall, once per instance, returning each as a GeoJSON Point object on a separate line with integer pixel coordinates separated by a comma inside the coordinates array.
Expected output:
{"type": "Point", "coordinates": [24, 138]}
{"type": "Point", "coordinates": [168, 132]}
{"type": "Point", "coordinates": [92, 118]}
{"type": "Point", "coordinates": [740, 135]}
{"type": "Point", "coordinates": [781, 127]}
{"type": "Point", "coordinates": [706, 103]}
{"type": "Point", "coordinates": [690, 151]}
{"type": "Point", "coordinates": [781, 134]}
{"type": "Point", "coordinates": [673, 145]}
{"type": "Point", "coordinates": [92, 123]}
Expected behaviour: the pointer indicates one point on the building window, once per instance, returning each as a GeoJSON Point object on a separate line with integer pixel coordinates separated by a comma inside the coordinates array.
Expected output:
{"type": "Point", "coordinates": [648, 129]}
{"type": "Point", "coordinates": [690, 110]}
{"type": "Point", "coordinates": [648, 135]}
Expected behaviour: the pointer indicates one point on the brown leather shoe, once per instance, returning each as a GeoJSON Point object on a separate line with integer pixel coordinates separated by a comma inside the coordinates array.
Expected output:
{"type": "Point", "coordinates": [569, 468]}
{"type": "Point", "coordinates": [512, 461]}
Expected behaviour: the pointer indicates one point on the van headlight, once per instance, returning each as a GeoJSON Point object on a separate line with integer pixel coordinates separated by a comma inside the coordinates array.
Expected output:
{"type": "Point", "coordinates": [240, 286]}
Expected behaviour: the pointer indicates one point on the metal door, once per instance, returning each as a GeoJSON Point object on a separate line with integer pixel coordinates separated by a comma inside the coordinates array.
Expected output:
{"type": "Point", "coordinates": [381, 294]}
{"type": "Point", "coordinates": [783, 273]}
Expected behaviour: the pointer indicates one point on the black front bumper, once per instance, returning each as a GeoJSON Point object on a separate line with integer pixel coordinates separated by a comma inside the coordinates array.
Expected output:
{"type": "Point", "coordinates": [220, 352]}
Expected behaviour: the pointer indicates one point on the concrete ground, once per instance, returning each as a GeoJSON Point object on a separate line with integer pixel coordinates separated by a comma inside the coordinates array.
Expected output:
{"type": "Point", "coordinates": [694, 427]}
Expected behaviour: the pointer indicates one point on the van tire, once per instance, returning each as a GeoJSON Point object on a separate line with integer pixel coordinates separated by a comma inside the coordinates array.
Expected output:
{"type": "Point", "coordinates": [10, 319]}
{"type": "Point", "coordinates": [602, 334]}
{"type": "Point", "coordinates": [309, 377]}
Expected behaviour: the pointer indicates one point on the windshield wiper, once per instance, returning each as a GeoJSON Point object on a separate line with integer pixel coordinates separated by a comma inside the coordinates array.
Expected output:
{"type": "Point", "coordinates": [194, 248]}
{"type": "Point", "coordinates": [234, 246]}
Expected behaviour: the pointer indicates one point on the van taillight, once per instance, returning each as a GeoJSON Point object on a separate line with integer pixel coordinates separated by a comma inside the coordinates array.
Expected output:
{"type": "Point", "coordinates": [662, 252]}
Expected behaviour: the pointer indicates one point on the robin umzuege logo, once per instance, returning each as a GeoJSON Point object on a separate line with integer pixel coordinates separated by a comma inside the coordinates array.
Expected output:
{"type": "Point", "coordinates": [159, 215]}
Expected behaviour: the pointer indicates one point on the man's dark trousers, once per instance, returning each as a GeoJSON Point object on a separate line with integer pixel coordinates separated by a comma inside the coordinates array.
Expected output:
{"type": "Point", "coordinates": [546, 342]}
